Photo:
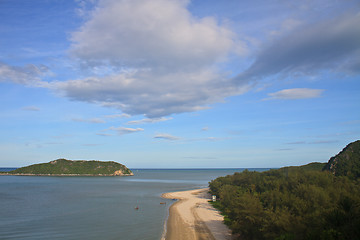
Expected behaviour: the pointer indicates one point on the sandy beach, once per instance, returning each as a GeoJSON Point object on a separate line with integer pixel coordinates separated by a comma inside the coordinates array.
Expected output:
{"type": "Point", "coordinates": [193, 218]}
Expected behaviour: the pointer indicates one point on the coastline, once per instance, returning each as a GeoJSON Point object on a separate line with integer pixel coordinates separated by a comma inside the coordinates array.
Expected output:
{"type": "Point", "coordinates": [193, 218]}
{"type": "Point", "coordinates": [65, 175]}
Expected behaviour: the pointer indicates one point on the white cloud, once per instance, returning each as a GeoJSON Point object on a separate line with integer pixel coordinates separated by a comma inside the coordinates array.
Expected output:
{"type": "Point", "coordinates": [93, 120]}
{"type": "Point", "coordinates": [286, 26]}
{"type": "Point", "coordinates": [84, 6]}
{"type": "Point", "coordinates": [123, 115]}
{"type": "Point", "coordinates": [166, 136]}
{"type": "Point", "coordinates": [148, 120]}
{"type": "Point", "coordinates": [124, 130]}
{"type": "Point", "coordinates": [31, 108]}
{"type": "Point", "coordinates": [162, 59]}
{"type": "Point", "coordinates": [154, 58]}
{"type": "Point", "coordinates": [104, 134]}
{"type": "Point", "coordinates": [145, 92]}
{"type": "Point", "coordinates": [27, 75]}
{"type": "Point", "coordinates": [332, 44]}
{"type": "Point", "coordinates": [157, 34]}
{"type": "Point", "coordinates": [295, 93]}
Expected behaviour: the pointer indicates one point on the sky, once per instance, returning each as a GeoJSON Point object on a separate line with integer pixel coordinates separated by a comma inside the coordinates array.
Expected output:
{"type": "Point", "coordinates": [179, 83]}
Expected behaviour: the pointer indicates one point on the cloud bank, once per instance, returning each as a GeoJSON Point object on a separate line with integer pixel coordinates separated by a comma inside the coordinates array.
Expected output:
{"type": "Point", "coordinates": [162, 59]}
{"type": "Point", "coordinates": [327, 44]}
{"type": "Point", "coordinates": [166, 59]}
{"type": "Point", "coordinates": [155, 58]}
{"type": "Point", "coordinates": [159, 34]}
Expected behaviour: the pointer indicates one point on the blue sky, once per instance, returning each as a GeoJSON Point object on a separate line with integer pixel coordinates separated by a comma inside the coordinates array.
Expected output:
{"type": "Point", "coordinates": [177, 83]}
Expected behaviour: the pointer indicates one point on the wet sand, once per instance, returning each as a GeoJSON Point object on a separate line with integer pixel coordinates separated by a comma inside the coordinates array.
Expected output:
{"type": "Point", "coordinates": [193, 218]}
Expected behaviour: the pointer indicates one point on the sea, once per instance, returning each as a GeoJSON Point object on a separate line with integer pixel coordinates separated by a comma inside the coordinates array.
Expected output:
{"type": "Point", "coordinates": [125, 207]}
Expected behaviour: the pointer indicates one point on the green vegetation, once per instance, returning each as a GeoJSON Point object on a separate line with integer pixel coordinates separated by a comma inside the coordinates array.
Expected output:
{"type": "Point", "coordinates": [315, 166]}
{"type": "Point", "coordinates": [347, 162]}
{"type": "Point", "coordinates": [292, 203]}
{"type": "Point", "coordinates": [64, 167]}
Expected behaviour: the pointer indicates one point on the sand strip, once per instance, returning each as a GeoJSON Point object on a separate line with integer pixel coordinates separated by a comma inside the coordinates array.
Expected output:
{"type": "Point", "coordinates": [193, 218]}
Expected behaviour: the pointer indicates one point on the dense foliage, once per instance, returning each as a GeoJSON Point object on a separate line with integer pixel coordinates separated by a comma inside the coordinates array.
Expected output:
{"type": "Point", "coordinates": [289, 203]}
{"type": "Point", "coordinates": [314, 201]}
{"type": "Point", "coordinates": [63, 166]}
{"type": "Point", "coordinates": [347, 162]}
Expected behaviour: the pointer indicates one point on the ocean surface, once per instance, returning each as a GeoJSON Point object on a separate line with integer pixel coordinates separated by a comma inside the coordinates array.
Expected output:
{"type": "Point", "coordinates": [44, 207]}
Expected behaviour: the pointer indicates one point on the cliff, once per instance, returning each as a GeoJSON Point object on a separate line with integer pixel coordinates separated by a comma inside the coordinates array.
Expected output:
{"type": "Point", "coordinates": [64, 167]}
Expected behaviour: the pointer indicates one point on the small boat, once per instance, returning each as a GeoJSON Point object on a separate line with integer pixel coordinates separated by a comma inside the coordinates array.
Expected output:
{"type": "Point", "coordinates": [136, 208]}
{"type": "Point", "coordinates": [163, 203]}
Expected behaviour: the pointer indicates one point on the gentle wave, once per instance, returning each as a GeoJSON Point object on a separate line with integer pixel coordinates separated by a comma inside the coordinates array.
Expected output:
{"type": "Point", "coordinates": [34, 207]}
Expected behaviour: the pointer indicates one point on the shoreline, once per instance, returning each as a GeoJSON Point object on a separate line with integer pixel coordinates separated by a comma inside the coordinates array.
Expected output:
{"type": "Point", "coordinates": [65, 175]}
{"type": "Point", "coordinates": [193, 218]}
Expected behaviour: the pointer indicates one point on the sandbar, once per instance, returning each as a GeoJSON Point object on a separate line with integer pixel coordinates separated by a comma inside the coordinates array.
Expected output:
{"type": "Point", "coordinates": [193, 218]}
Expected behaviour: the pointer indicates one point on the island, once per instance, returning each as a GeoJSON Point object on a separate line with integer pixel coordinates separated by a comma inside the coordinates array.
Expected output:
{"type": "Point", "coordinates": [64, 167]}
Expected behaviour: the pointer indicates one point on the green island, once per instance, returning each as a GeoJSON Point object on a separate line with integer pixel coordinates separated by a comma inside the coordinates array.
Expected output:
{"type": "Point", "coordinates": [64, 167]}
{"type": "Point", "coordinates": [314, 201]}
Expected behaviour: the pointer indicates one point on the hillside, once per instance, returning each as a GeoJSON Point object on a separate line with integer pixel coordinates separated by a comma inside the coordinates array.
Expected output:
{"type": "Point", "coordinates": [314, 166]}
{"type": "Point", "coordinates": [314, 201]}
{"type": "Point", "coordinates": [347, 162]}
{"type": "Point", "coordinates": [69, 167]}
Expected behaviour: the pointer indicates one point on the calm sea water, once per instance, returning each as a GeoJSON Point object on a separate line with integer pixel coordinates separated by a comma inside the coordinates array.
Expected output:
{"type": "Point", "coordinates": [33, 207]}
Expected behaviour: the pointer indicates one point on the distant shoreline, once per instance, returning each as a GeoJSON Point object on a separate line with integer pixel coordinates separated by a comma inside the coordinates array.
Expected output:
{"type": "Point", "coordinates": [192, 217]}
{"type": "Point", "coordinates": [64, 175]}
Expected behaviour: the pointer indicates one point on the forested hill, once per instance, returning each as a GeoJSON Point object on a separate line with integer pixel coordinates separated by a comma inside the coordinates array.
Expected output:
{"type": "Point", "coordinates": [294, 203]}
{"type": "Point", "coordinates": [347, 162]}
{"type": "Point", "coordinates": [69, 167]}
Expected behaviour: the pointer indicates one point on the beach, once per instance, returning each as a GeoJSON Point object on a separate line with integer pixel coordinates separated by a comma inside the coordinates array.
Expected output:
{"type": "Point", "coordinates": [193, 218]}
